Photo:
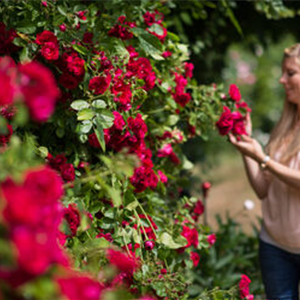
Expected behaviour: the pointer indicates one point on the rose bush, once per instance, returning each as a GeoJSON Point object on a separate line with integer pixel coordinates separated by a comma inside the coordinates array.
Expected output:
{"type": "Point", "coordinates": [98, 99]}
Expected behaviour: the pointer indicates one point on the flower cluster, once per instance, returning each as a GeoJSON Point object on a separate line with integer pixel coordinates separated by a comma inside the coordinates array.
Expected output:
{"type": "Point", "coordinates": [154, 21]}
{"type": "Point", "coordinates": [233, 121]}
{"type": "Point", "coordinates": [244, 288]}
{"type": "Point", "coordinates": [121, 30]}
{"type": "Point", "coordinates": [59, 163]}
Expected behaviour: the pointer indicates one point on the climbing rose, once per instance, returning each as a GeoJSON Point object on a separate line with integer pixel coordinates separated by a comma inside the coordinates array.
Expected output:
{"type": "Point", "coordinates": [244, 287]}
{"type": "Point", "coordinates": [80, 287]}
{"type": "Point", "coordinates": [191, 236]}
{"type": "Point", "coordinates": [234, 93]}
{"type": "Point", "coordinates": [211, 239]}
{"type": "Point", "coordinates": [99, 84]}
{"type": "Point", "coordinates": [4, 138]}
{"type": "Point", "coordinates": [188, 67]}
{"type": "Point", "coordinates": [72, 216]}
{"type": "Point", "coordinates": [225, 123]}
{"type": "Point", "coordinates": [39, 90]}
{"type": "Point", "coordinates": [123, 262]}
{"type": "Point", "coordinates": [195, 258]}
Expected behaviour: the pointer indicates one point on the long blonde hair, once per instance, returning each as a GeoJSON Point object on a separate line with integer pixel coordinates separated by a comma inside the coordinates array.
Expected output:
{"type": "Point", "coordinates": [286, 122]}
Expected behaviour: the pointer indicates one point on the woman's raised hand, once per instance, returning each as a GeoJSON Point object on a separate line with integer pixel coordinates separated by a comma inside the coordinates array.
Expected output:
{"type": "Point", "coordinates": [248, 146]}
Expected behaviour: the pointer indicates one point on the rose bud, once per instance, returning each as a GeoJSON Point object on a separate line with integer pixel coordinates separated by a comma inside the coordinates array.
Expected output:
{"type": "Point", "coordinates": [149, 245]}
{"type": "Point", "coordinates": [163, 271]}
{"type": "Point", "coordinates": [62, 27]}
{"type": "Point", "coordinates": [205, 188]}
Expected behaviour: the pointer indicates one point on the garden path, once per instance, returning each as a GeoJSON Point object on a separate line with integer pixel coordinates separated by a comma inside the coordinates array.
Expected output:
{"type": "Point", "coordinates": [230, 189]}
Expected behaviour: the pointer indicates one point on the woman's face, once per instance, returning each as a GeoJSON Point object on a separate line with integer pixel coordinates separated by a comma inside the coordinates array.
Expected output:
{"type": "Point", "coordinates": [290, 79]}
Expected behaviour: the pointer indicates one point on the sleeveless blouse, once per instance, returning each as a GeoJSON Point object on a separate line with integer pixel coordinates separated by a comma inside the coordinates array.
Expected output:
{"type": "Point", "coordinates": [281, 210]}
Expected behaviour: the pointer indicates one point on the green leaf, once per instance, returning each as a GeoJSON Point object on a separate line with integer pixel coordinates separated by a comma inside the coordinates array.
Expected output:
{"type": "Point", "coordinates": [172, 120]}
{"type": "Point", "coordinates": [24, 55]}
{"type": "Point", "coordinates": [99, 104]}
{"type": "Point", "coordinates": [62, 10]}
{"type": "Point", "coordinates": [132, 205]}
{"type": "Point", "coordinates": [43, 152]}
{"type": "Point", "coordinates": [100, 135]}
{"type": "Point", "coordinates": [80, 105]}
{"type": "Point", "coordinates": [105, 118]}
{"type": "Point", "coordinates": [86, 126]}
{"type": "Point", "coordinates": [85, 114]}
{"type": "Point", "coordinates": [26, 26]}
{"type": "Point", "coordinates": [80, 49]}
{"type": "Point", "coordinates": [167, 240]}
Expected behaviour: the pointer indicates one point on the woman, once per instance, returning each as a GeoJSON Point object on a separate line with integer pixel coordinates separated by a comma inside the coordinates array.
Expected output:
{"type": "Point", "coordinates": [275, 178]}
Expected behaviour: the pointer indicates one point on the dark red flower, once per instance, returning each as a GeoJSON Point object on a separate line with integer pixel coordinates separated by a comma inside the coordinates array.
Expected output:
{"type": "Point", "coordinates": [4, 139]}
{"type": "Point", "coordinates": [67, 172]}
{"type": "Point", "coordinates": [191, 236]}
{"type": "Point", "coordinates": [50, 51]}
{"type": "Point", "coordinates": [6, 40]}
{"type": "Point", "coordinates": [225, 123]}
{"type": "Point", "coordinates": [99, 84]}
{"type": "Point", "coordinates": [234, 93]}
{"type": "Point", "coordinates": [182, 99]}
{"type": "Point", "coordinates": [72, 216]}
{"type": "Point", "coordinates": [45, 37]}
{"type": "Point", "coordinates": [137, 126]}
{"type": "Point", "coordinates": [195, 257]}
{"type": "Point", "coordinates": [188, 67]}
{"type": "Point", "coordinates": [69, 81]}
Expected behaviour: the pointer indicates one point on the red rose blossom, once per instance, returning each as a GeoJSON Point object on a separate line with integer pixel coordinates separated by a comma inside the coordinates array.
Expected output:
{"type": "Point", "coordinates": [99, 84]}
{"type": "Point", "coordinates": [234, 93]}
{"type": "Point", "coordinates": [225, 123]}
{"type": "Point", "coordinates": [38, 86]}
{"type": "Point", "coordinates": [122, 261]}
{"type": "Point", "coordinates": [195, 257]}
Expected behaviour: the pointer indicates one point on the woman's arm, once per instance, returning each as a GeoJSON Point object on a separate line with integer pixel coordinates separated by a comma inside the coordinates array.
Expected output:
{"type": "Point", "coordinates": [256, 177]}
{"type": "Point", "coordinates": [251, 148]}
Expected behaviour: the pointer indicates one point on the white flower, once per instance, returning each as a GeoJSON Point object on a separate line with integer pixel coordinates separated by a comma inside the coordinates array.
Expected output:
{"type": "Point", "coordinates": [248, 204]}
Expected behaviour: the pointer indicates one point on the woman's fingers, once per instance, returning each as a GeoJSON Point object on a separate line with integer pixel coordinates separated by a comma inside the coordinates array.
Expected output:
{"type": "Point", "coordinates": [246, 138]}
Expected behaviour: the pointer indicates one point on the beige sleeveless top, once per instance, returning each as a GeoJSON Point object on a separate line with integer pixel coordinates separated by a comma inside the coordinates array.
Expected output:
{"type": "Point", "coordinates": [281, 210]}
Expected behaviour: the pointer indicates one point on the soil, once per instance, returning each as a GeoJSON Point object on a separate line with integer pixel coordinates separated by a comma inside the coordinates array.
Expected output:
{"type": "Point", "coordinates": [230, 188]}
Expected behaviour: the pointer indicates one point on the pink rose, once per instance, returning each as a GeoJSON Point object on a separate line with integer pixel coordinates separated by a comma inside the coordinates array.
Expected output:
{"type": "Point", "coordinates": [211, 239]}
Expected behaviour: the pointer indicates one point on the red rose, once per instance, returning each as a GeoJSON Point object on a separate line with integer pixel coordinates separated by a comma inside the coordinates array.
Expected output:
{"type": "Point", "coordinates": [234, 93]}
{"type": "Point", "coordinates": [50, 51]}
{"type": "Point", "coordinates": [71, 214]}
{"type": "Point", "coordinates": [75, 64]}
{"type": "Point", "coordinates": [211, 239]}
{"type": "Point", "coordinates": [188, 67]}
{"type": "Point", "coordinates": [191, 236]}
{"type": "Point", "coordinates": [195, 257]}
{"type": "Point", "coordinates": [137, 126]}
{"type": "Point", "coordinates": [46, 36]}
{"type": "Point", "coordinates": [99, 84]}
{"type": "Point", "coordinates": [67, 172]}
{"type": "Point", "coordinates": [244, 287]}
{"type": "Point", "coordinates": [225, 123]}
{"type": "Point", "coordinates": [7, 88]}
{"type": "Point", "coordinates": [93, 140]}
{"type": "Point", "coordinates": [122, 261]}
{"type": "Point", "coordinates": [39, 90]}
{"type": "Point", "coordinates": [238, 123]}
{"type": "Point", "coordinates": [122, 91]}
{"type": "Point", "coordinates": [80, 287]}
{"type": "Point", "coordinates": [119, 122]}
{"type": "Point", "coordinates": [69, 81]}
{"type": "Point", "coordinates": [4, 139]}
{"type": "Point", "coordinates": [6, 40]}
{"type": "Point", "coordinates": [182, 99]}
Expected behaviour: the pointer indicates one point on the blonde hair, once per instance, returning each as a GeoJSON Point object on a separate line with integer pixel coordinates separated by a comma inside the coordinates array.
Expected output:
{"type": "Point", "coordinates": [286, 122]}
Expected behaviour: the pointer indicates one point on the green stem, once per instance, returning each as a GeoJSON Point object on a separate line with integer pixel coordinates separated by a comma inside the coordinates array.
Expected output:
{"type": "Point", "coordinates": [140, 223]}
{"type": "Point", "coordinates": [142, 209]}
